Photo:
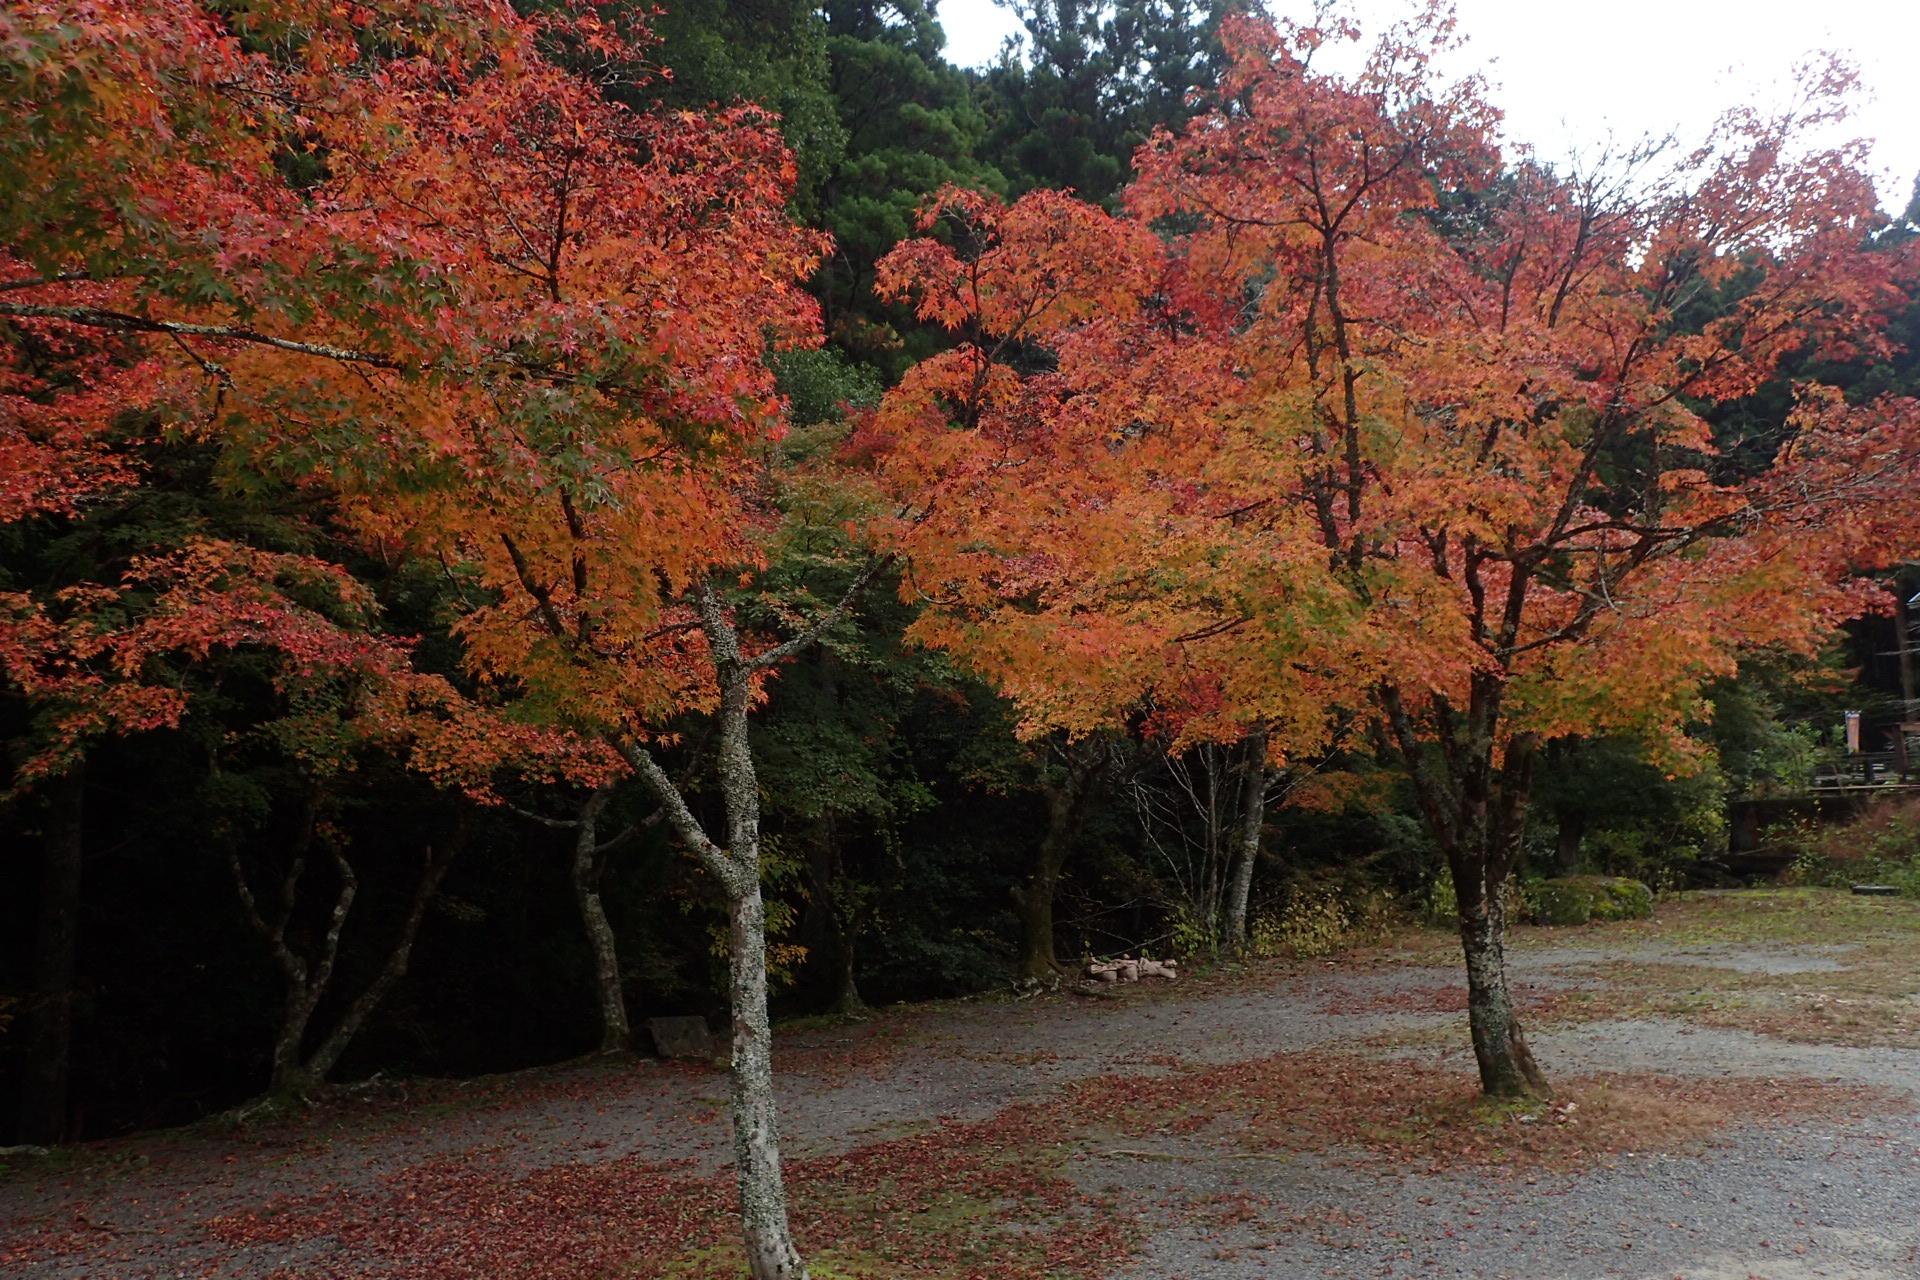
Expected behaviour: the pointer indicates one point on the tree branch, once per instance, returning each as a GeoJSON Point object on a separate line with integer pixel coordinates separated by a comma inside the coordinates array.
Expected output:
{"type": "Point", "coordinates": [126, 322]}
{"type": "Point", "coordinates": [673, 806]}
{"type": "Point", "coordinates": [787, 648]}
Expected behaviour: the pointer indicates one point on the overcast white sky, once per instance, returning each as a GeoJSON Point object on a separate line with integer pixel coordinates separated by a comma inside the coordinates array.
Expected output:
{"type": "Point", "coordinates": [1569, 75]}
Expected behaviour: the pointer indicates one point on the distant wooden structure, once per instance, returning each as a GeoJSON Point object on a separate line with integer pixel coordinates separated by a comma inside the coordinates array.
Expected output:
{"type": "Point", "coordinates": [1841, 789]}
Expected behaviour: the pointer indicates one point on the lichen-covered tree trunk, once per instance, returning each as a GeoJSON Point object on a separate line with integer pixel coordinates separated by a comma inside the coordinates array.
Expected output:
{"type": "Point", "coordinates": [46, 1034]}
{"type": "Point", "coordinates": [756, 1130]}
{"type": "Point", "coordinates": [1507, 1067]}
{"type": "Point", "coordinates": [1475, 803]}
{"type": "Point", "coordinates": [616, 1032]}
{"type": "Point", "coordinates": [771, 1254]}
{"type": "Point", "coordinates": [1253, 815]}
{"type": "Point", "coordinates": [766, 1232]}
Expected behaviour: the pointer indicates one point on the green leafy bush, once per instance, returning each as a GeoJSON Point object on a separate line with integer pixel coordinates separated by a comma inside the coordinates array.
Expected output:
{"type": "Point", "coordinates": [1881, 846]}
{"type": "Point", "coordinates": [1441, 906]}
{"type": "Point", "coordinates": [1321, 914]}
{"type": "Point", "coordinates": [1311, 921]}
{"type": "Point", "coordinates": [1581, 899]}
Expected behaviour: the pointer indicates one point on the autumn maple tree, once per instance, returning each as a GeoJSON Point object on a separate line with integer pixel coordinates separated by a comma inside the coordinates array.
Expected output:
{"type": "Point", "coordinates": [1503, 406]}
{"type": "Point", "coordinates": [1065, 489]}
{"type": "Point", "coordinates": [427, 263]}
{"type": "Point", "coordinates": [1351, 416]}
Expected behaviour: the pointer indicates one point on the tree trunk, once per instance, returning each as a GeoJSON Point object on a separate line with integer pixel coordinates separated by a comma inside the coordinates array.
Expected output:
{"type": "Point", "coordinates": [1033, 901]}
{"type": "Point", "coordinates": [47, 1030]}
{"type": "Point", "coordinates": [756, 1135]}
{"type": "Point", "coordinates": [294, 1074]}
{"type": "Point", "coordinates": [768, 1236]}
{"type": "Point", "coordinates": [1507, 1068]}
{"type": "Point", "coordinates": [1476, 811]}
{"type": "Point", "coordinates": [756, 1132]}
{"type": "Point", "coordinates": [616, 1033]}
{"type": "Point", "coordinates": [771, 1254]}
{"type": "Point", "coordinates": [830, 927]}
{"type": "Point", "coordinates": [847, 1000]}
{"type": "Point", "coordinates": [1253, 813]}
{"type": "Point", "coordinates": [288, 1077]}
{"type": "Point", "coordinates": [1033, 905]}
{"type": "Point", "coordinates": [1903, 624]}
{"type": "Point", "coordinates": [325, 1058]}
{"type": "Point", "coordinates": [1567, 841]}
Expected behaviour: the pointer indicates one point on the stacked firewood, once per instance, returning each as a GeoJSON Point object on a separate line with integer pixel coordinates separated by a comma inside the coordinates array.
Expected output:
{"type": "Point", "coordinates": [1127, 969]}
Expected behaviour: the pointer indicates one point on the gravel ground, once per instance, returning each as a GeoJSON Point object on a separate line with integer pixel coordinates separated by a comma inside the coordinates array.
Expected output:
{"type": "Point", "coordinates": [1806, 1198]}
{"type": "Point", "coordinates": [1793, 1202]}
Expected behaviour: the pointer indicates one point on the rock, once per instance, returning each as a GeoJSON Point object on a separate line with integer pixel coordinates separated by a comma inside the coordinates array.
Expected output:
{"type": "Point", "coordinates": [683, 1038]}
{"type": "Point", "coordinates": [1579, 899]}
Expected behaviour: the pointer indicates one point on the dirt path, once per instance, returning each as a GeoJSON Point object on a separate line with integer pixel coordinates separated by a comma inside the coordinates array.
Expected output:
{"type": "Point", "coordinates": [1275, 1123]}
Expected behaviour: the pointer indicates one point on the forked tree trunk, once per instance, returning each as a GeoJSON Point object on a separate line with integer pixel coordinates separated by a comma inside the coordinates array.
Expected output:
{"type": "Point", "coordinates": [47, 1023]}
{"type": "Point", "coordinates": [327, 1056]}
{"type": "Point", "coordinates": [765, 1229]}
{"type": "Point", "coordinates": [1253, 814]}
{"type": "Point", "coordinates": [1477, 813]}
{"type": "Point", "coordinates": [295, 1073]}
{"type": "Point", "coordinates": [616, 1032]}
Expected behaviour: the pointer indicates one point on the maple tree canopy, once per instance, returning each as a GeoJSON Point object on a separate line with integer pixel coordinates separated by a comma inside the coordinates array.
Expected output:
{"type": "Point", "coordinates": [1343, 402]}
{"type": "Point", "coordinates": [423, 260]}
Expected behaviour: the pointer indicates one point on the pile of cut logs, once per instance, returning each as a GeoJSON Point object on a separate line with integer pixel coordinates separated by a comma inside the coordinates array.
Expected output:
{"type": "Point", "coordinates": [1127, 969]}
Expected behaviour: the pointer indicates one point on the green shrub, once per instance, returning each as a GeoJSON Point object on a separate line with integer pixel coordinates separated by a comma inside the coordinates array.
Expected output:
{"type": "Point", "coordinates": [1190, 935]}
{"type": "Point", "coordinates": [1312, 921]}
{"type": "Point", "coordinates": [1580, 899]}
{"type": "Point", "coordinates": [1441, 908]}
{"type": "Point", "coordinates": [1879, 847]}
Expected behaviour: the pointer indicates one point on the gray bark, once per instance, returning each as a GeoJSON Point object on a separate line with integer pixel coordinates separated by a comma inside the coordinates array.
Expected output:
{"type": "Point", "coordinates": [756, 1128]}
{"type": "Point", "coordinates": [1507, 1067]}
{"type": "Point", "coordinates": [306, 977]}
{"type": "Point", "coordinates": [1477, 811]}
{"type": "Point", "coordinates": [765, 1229]}
{"type": "Point", "coordinates": [46, 1032]}
{"type": "Point", "coordinates": [616, 1033]}
{"type": "Point", "coordinates": [1253, 813]}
